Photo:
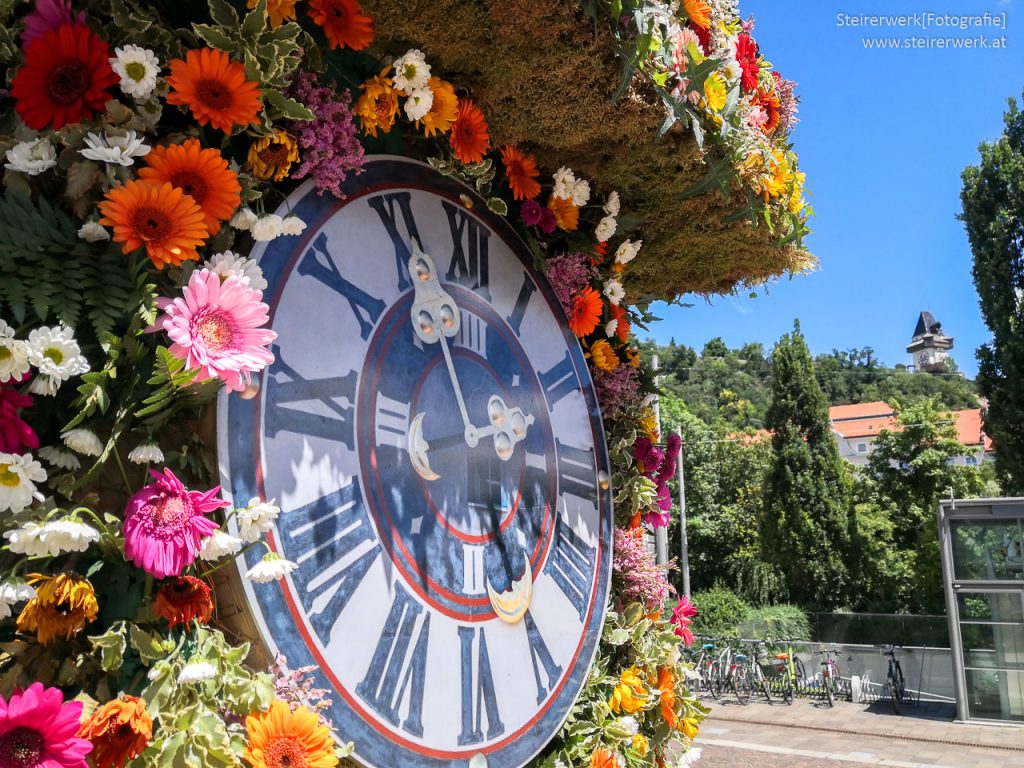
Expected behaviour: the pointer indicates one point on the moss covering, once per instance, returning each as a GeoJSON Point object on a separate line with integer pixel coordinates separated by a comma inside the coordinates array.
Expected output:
{"type": "Point", "coordinates": [544, 75]}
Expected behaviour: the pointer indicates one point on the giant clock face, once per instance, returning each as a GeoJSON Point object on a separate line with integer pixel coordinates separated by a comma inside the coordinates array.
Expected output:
{"type": "Point", "coordinates": [430, 432]}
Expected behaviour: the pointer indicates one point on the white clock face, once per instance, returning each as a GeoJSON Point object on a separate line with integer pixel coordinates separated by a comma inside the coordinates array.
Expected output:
{"type": "Point", "coordinates": [430, 432]}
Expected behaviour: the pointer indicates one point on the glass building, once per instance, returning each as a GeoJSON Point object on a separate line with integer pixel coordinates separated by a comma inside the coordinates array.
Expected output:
{"type": "Point", "coordinates": [982, 546]}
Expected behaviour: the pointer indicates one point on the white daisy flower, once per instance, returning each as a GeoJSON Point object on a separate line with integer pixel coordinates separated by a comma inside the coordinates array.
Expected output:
{"type": "Point", "coordinates": [611, 205]}
{"type": "Point", "coordinates": [31, 157]}
{"type": "Point", "coordinates": [244, 219]}
{"type": "Point", "coordinates": [138, 69]}
{"type": "Point", "coordinates": [565, 183]}
{"type": "Point", "coordinates": [230, 264]}
{"type": "Point", "coordinates": [605, 229]}
{"type": "Point", "coordinates": [271, 568]}
{"type": "Point", "coordinates": [196, 672]}
{"type": "Point", "coordinates": [732, 71]}
{"type": "Point", "coordinates": [116, 150]}
{"type": "Point", "coordinates": [411, 71]}
{"type": "Point", "coordinates": [93, 232]}
{"type": "Point", "coordinates": [13, 592]}
{"type": "Point", "coordinates": [146, 453]}
{"type": "Point", "coordinates": [218, 545]}
{"type": "Point", "coordinates": [627, 251]}
{"type": "Point", "coordinates": [13, 355]}
{"type": "Point", "coordinates": [59, 457]}
{"type": "Point", "coordinates": [28, 540]}
{"type": "Point", "coordinates": [83, 441]}
{"type": "Point", "coordinates": [627, 727]}
{"type": "Point", "coordinates": [419, 103]}
{"type": "Point", "coordinates": [611, 327]}
{"type": "Point", "coordinates": [580, 193]}
{"type": "Point", "coordinates": [267, 228]}
{"type": "Point", "coordinates": [256, 518]}
{"type": "Point", "coordinates": [614, 292]}
{"type": "Point", "coordinates": [68, 535]}
{"type": "Point", "coordinates": [292, 225]}
{"type": "Point", "coordinates": [18, 478]}
{"type": "Point", "coordinates": [58, 357]}
{"type": "Point", "coordinates": [689, 757]}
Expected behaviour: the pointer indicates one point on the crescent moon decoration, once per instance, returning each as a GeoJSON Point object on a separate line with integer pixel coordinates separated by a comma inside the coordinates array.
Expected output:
{"type": "Point", "coordinates": [511, 605]}
{"type": "Point", "coordinates": [418, 448]}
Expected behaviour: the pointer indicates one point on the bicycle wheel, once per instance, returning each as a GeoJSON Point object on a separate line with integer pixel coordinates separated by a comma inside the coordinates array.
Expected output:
{"type": "Point", "coordinates": [830, 690]}
{"type": "Point", "coordinates": [741, 685]}
{"type": "Point", "coordinates": [787, 687]}
{"type": "Point", "coordinates": [801, 674]}
{"type": "Point", "coordinates": [715, 681]}
{"type": "Point", "coordinates": [894, 692]}
{"type": "Point", "coordinates": [766, 687]}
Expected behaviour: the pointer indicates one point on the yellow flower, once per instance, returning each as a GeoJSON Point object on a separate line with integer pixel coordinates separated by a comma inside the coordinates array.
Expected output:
{"type": "Point", "coordinates": [443, 110]}
{"type": "Point", "coordinates": [633, 357]}
{"type": "Point", "coordinates": [567, 215]}
{"type": "Point", "coordinates": [377, 108]}
{"type": "Point", "coordinates": [603, 356]}
{"type": "Point", "coordinates": [715, 91]}
{"type": "Point", "coordinates": [271, 157]}
{"type": "Point", "coordinates": [629, 695]}
{"type": "Point", "coordinates": [279, 11]}
{"type": "Point", "coordinates": [689, 727]}
{"type": "Point", "coordinates": [649, 424]}
{"type": "Point", "coordinates": [63, 605]}
{"type": "Point", "coordinates": [640, 745]}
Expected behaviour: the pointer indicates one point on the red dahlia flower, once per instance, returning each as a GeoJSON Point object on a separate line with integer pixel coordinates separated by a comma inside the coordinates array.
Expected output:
{"type": "Point", "coordinates": [746, 56]}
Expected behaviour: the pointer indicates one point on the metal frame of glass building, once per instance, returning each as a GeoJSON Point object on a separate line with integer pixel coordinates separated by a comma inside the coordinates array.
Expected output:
{"type": "Point", "coordinates": [982, 547]}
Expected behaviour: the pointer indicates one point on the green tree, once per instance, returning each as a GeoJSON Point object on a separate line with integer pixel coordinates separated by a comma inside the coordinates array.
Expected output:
{"type": "Point", "coordinates": [993, 214]}
{"type": "Point", "coordinates": [804, 529]}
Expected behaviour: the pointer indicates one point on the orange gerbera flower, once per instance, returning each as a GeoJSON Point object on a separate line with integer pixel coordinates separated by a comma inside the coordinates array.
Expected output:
{"type": "Point", "coordinates": [603, 758]}
{"type": "Point", "coordinates": [469, 138]}
{"type": "Point", "coordinates": [443, 110]}
{"type": "Point", "coordinates": [279, 738]}
{"type": "Point", "coordinates": [567, 215]}
{"type": "Point", "coordinates": [769, 102]}
{"type": "Point", "coordinates": [618, 314]}
{"type": "Point", "coordinates": [182, 600]}
{"type": "Point", "coordinates": [202, 174]}
{"type": "Point", "coordinates": [215, 89]}
{"type": "Point", "coordinates": [667, 700]}
{"type": "Point", "coordinates": [279, 11]}
{"type": "Point", "coordinates": [699, 12]}
{"type": "Point", "coordinates": [343, 22]}
{"type": "Point", "coordinates": [586, 312]}
{"type": "Point", "coordinates": [119, 731]}
{"type": "Point", "coordinates": [161, 217]}
{"type": "Point", "coordinates": [377, 107]}
{"type": "Point", "coordinates": [522, 173]}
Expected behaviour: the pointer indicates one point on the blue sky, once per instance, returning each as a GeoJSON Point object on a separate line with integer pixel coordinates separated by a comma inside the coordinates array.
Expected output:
{"type": "Point", "coordinates": [883, 137]}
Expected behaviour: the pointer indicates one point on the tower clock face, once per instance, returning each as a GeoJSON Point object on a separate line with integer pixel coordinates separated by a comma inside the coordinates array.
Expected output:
{"type": "Point", "coordinates": [430, 432]}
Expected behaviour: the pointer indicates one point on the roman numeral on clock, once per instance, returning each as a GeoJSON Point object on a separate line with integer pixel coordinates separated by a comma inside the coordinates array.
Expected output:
{"type": "Point", "coordinates": [477, 699]}
{"type": "Point", "coordinates": [559, 380]}
{"type": "Point", "coordinates": [395, 678]}
{"type": "Point", "coordinates": [329, 393]}
{"type": "Point", "coordinates": [577, 471]}
{"type": "Point", "coordinates": [317, 263]}
{"type": "Point", "coordinates": [472, 333]}
{"type": "Point", "coordinates": [334, 546]}
{"type": "Point", "coordinates": [469, 264]}
{"type": "Point", "coordinates": [384, 205]}
{"type": "Point", "coordinates": [541, 659]}
{"type": "Point", "coordinates": [515, 320]}
{"type": "Point", "coordinates": [571, 565]}
{"type": "Point", "coordinates": [473, 570]}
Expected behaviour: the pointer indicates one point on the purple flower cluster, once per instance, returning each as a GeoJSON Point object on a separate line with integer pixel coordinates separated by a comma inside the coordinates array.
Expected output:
{"type": "Point", "coordinates": [658, 465]}
{"type": "Point", "coordinates": [616, 389]}
{"type": "Point", "coordinates": [536, 215]}
{"type": "Point", "coordinates": [637, 575]}
{"type": "Point", "coordinates": [296, 688]}
{"type": "Point", "coordinates": [784, 89]}
{"type": "Point", "coordinates": [569, 273]}
{"type": "Point", "coordinates": [329, 143]}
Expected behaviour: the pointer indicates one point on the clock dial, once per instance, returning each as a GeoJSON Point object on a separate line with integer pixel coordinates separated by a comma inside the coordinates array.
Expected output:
{"type": "Point", "coordinates": [430, 432]}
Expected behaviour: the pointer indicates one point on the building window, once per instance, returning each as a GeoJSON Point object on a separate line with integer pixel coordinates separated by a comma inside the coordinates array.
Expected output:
{"type": "Point", "coordinates": [972, 461]}
{"type": "Point", "coordinates": [862, 447]}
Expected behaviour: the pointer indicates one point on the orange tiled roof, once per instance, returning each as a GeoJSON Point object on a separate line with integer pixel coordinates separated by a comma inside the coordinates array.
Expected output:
{"type": "Point", "coordinates": [865, 427]}
{"type": "Point", "coordinates": [859, 411]}
{"type": "Point", "coordinates": [968, 427]}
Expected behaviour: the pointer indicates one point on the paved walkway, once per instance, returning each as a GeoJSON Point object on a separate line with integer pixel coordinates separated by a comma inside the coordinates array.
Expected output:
{"type": "Point", "coordinates": [810, 735]}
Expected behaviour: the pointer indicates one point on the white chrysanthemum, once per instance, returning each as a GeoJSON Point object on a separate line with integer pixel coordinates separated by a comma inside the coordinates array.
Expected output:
{"type": "Point", "coordinates": [611, 205]}
{"type": "Point", "coordinates": [611, 327]}
{"type": "Point", "coordinates": [147, 452]}
{"type": "Point", "coordinates": [28, 540]}
{"type": "Point", "coordinates": [31, 157]}
{"type": "Point", "coordinates": [218, 545]}
{"type": "Point", "coordinates": [581, 193]}
{"type": "Point", "coordinates": [117, 150]}
{"type": "Point", "coordinates": [292, 225]}
{"type": "Point", "coordinates": [627, 251]}
{"type": "Point", "coordinates": [83, 441]}
{"type": "Point", "coordinates": [93, 232]}
{"type": "Point", "coordinates": [18, 478]}
{"type": "Point", "coordinates": [627, 726]}
{"type": "Point", "coordinates": [271, 568]}
{"type": "Point", "coordinates": [138, 69]}
{"type": "Point", "coordinates": [68, 535]}
{"type": "Point", "coordinates": [732, 71]}
{"type": "Point", "coordinates": [605, 229]}
{"type": "Point", "coordinates": [689, 757]}
{"type": "Point", "coordinates": [230, 264]}
{"type": "Point", "coordinates": [419, 103]}
{"type": "Point", "coordinates": [58, 357]}
{"type": "Point", "coordinates": [614, 292]}
{"type": "Point", "coordinates": [411, 71]}
{"type": "Point", "coordinates": [13, 592]}
{"type": "Point", "coordinates": [256, 518]}
{"type": "Point", "coordinates": [565, 183]}
{"type": "Point", "coordinates": [267, 228]}
{"type": "Point", "coordinates": [244, 219]}
{"type": "Point", "coordinates": [13, 355]}
{"type": "Point", "coordinates": [196, 672]}
{"type": "Point", "coordinates": [59, 457]}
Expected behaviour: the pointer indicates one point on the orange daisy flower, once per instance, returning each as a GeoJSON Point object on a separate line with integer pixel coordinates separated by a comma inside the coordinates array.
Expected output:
{"type": "Point", "coordinates": [343, 22]}
{"type": "Point", "coordinates": [202, 174]}
{"type": "Point", "coordinates": [119, 731]}
{"type": "Point", "coordinates": [215, 89]}
{"type": "Point", "coordinates": [699, 12]}
{"type": "Point", "coordinates": [469, 133]}
{"type": "Point", "coordinates": [443, 110]}
{"type": "Point", "coordinates": [567, 215]}
{"type": "Point", "coordinates": [169, 223]}
{"type": "Point", "coordinates": [279, 11]}
{"type": "Point", "coordinates": [769, 102]}
{"type": "Point", "coordinates": [280, 737]}
{"type": "Point", "coordinates": [586, 312]}
{"type": "Point", "coordinates": [667, 701]}
{"type": "Point", "coordinates": [522, 173]}
{"type": "Point", "coordinates": [603, 758]}
{"type": "Point", "coordinates": [618, 313]}
{"type": "Point", "coordinates": [377, 107]}
{"type": "Point", "coordinates": [182, 600]}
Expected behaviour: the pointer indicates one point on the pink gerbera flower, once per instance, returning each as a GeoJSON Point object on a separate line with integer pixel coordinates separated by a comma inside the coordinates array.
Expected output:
{"type": "Point", "coordinates": [217, 328]}
{"type": "Point", "coordinates": [47, 15]}
{"type": "Point", "coordinates": [681, 617]}
{"type": "Point", "coordinates": [37, 730]}
{"type": "Point", "coordinates": [16, 436]}
{"type": "Point", "coordinates": [165, 523]}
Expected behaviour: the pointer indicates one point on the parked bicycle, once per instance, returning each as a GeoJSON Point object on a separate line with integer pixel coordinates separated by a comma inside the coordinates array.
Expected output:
{"type": "Point", "coordinates": [894, 678]}
{"type": "Point", "coordinates": [830, 675]}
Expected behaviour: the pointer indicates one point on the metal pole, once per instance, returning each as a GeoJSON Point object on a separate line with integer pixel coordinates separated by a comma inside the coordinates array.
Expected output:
{"type": "Point", "coordinates": [660, 534]}
{"type": "Point", "coordinates": [684, 550]}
